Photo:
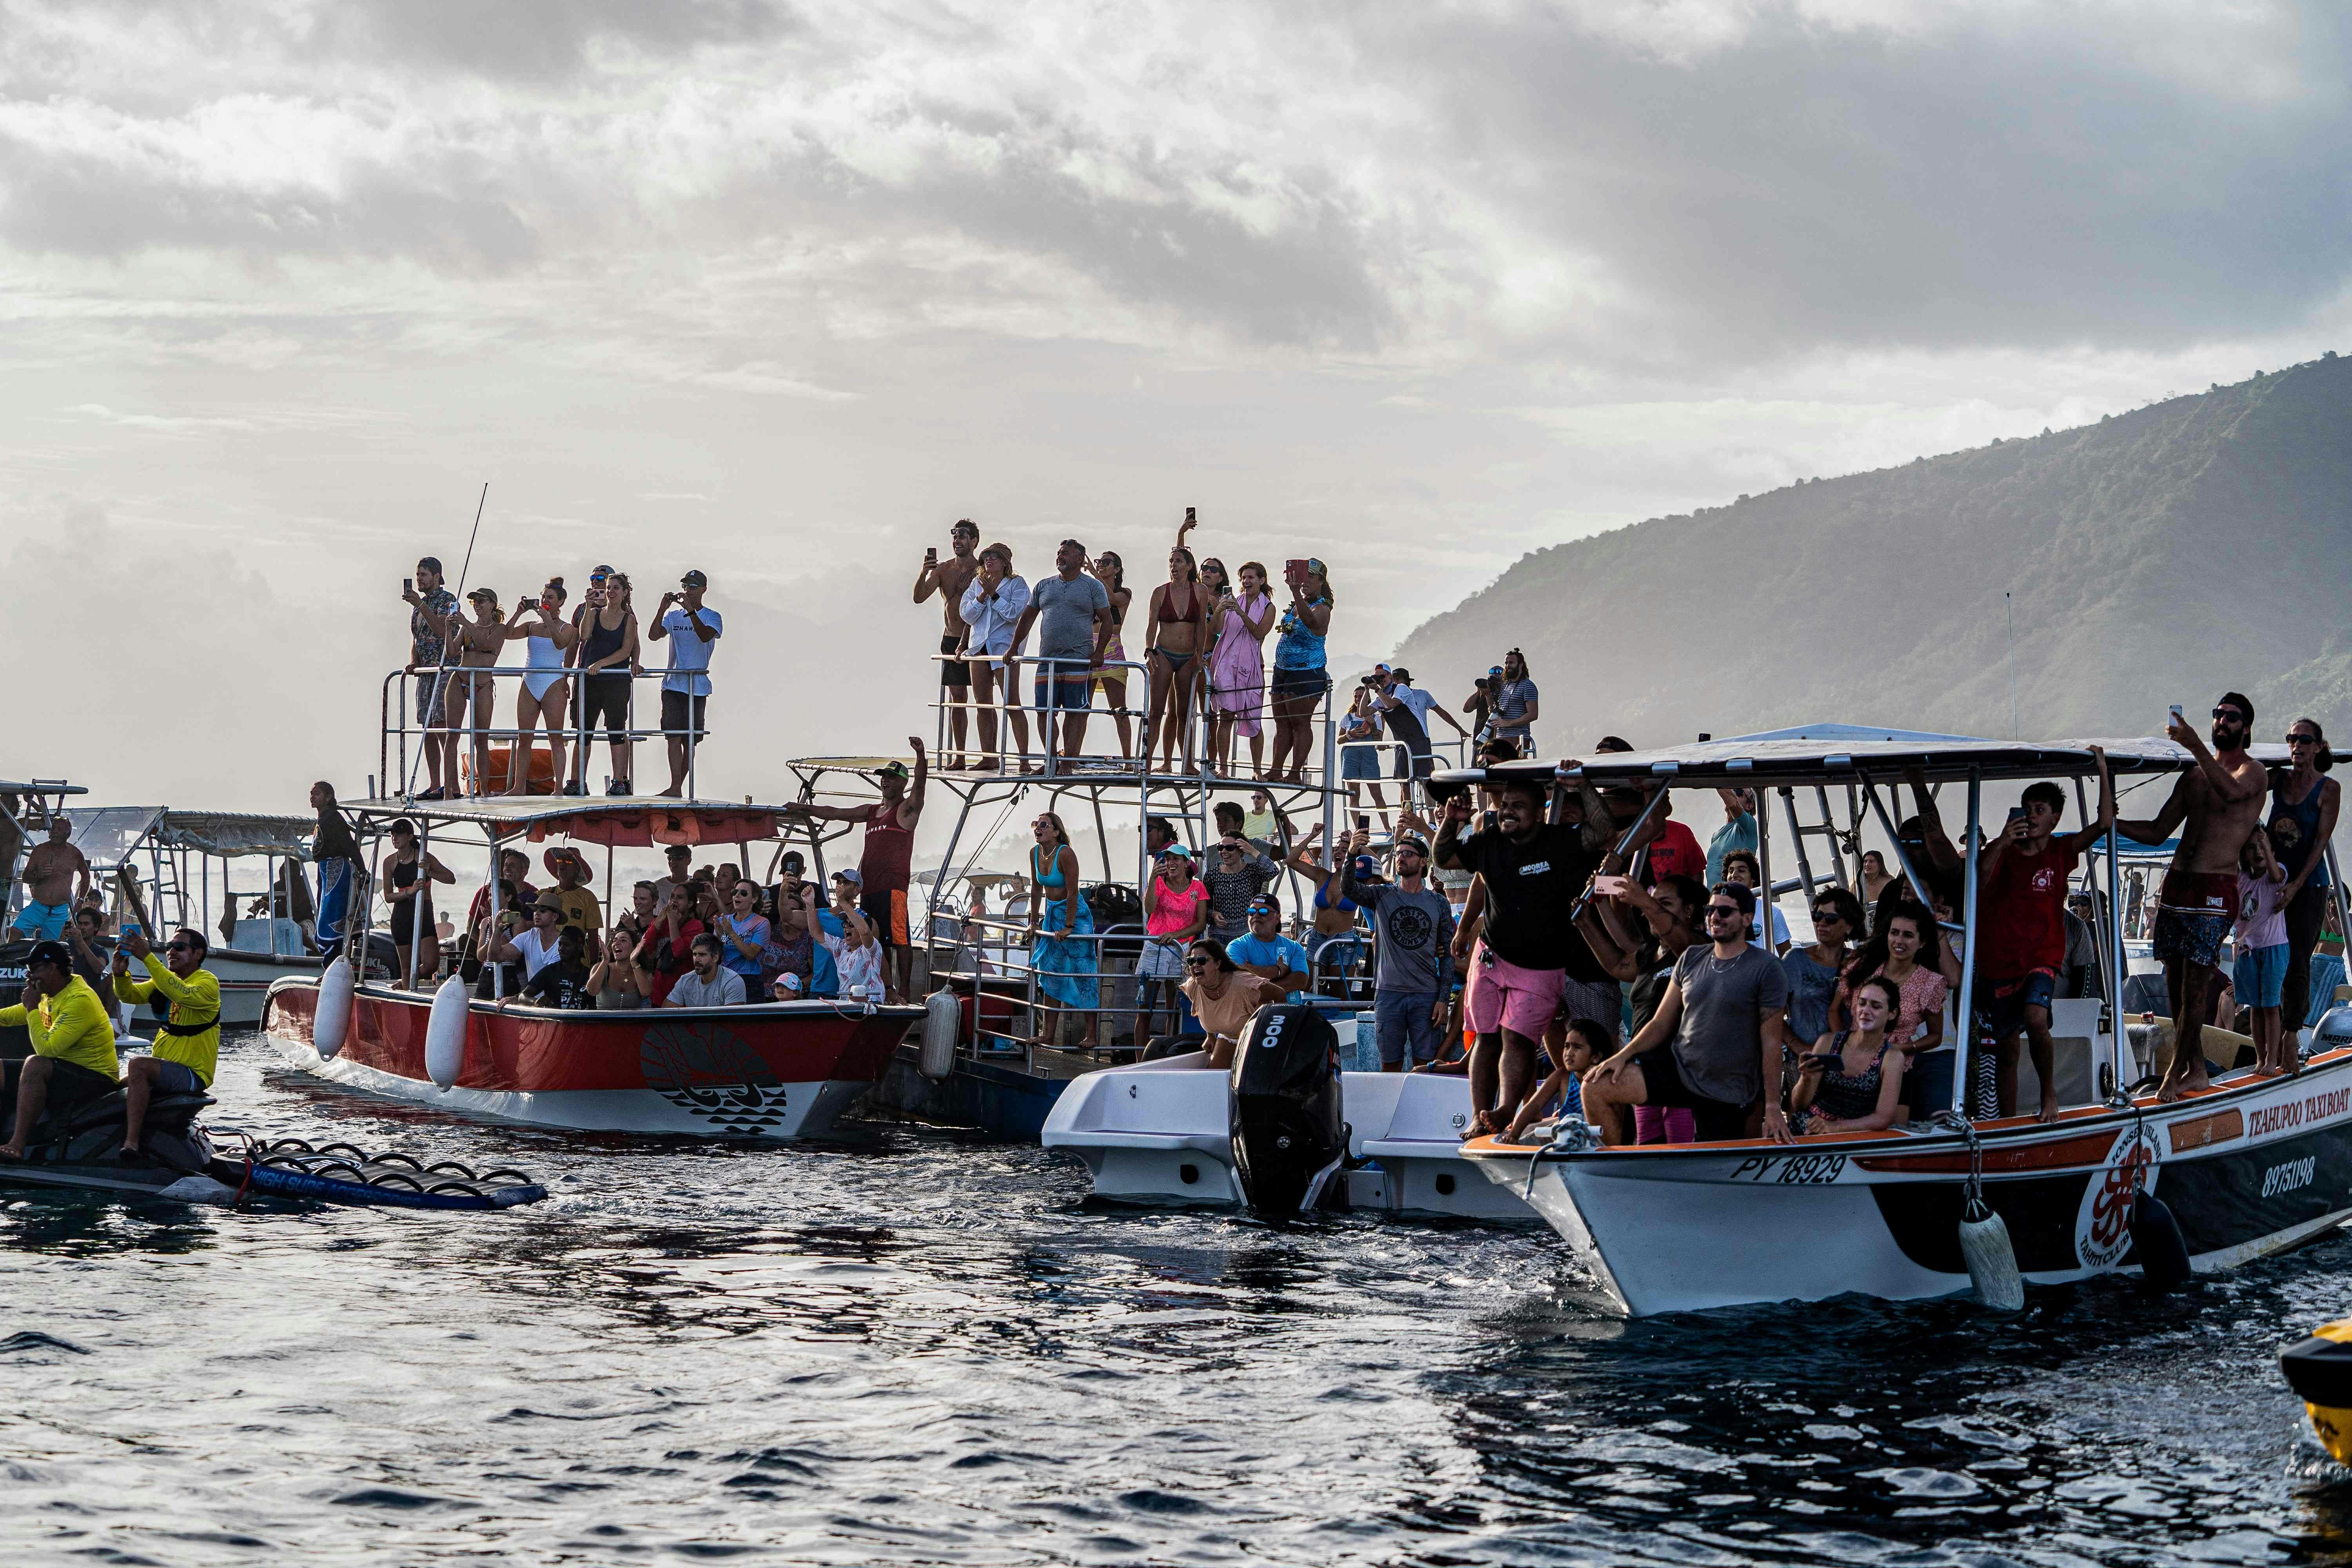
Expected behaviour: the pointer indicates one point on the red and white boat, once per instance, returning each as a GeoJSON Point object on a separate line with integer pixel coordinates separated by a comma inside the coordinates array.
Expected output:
{"type": "Point", "coordinates": [768, 1069]}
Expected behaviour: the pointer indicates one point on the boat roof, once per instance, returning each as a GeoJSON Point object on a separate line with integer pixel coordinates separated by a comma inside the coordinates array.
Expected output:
{"type": "Point", "coordinates": [113, 835]}
{"type": "Point", "coordinates": [631, 821]}
{"type": "Point", "coordinates": [40, 786]}
{"type": "Point", "coordinates": [1842, 753]}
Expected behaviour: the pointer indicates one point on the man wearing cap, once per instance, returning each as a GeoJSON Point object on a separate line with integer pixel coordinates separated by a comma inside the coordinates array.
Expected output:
{"type": "Point", "coordinates": [886, 864]}
{"type": "Point", "coordinates": [73, 1054]}
{"type": "Point", "coordinates": [1266, 952]}
{"type": "Point", "coordinates": [1405, 709]}
{"type": "Point", "coordinates": [1414, 930]}
{"type": "Point", "coordinates": [55, 873]}
{"type": "Point", "coordinates": [1175, 911]}
{"type": "Point", "coordinates": [540, 946]}
{"type": "Point", "coordinates": [431, 609]}
{"type": "Point", "coordinates": [690, 630]}
{"type": "Point", "coordinates": [681, 857]}
{"type": "Point", "coordinates": [582, 911]}
{"type": "Point", "coordinates": [187, 1038]}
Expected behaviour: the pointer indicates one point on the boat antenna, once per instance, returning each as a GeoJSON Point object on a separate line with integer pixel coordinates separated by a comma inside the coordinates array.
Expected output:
{"type": "Point", "coordinates": [441, 673]}
{"type": "Point", "coordinates": [2011, 605]}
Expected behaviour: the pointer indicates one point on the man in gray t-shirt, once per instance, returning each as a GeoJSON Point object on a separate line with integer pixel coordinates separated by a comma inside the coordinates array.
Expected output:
{"type": "Point", "coordinates": [1714, 1044]}
{"type": "Point", "coordinates": [1413, 925]}
{"type": "Point", "coordinates": [1076, 626]}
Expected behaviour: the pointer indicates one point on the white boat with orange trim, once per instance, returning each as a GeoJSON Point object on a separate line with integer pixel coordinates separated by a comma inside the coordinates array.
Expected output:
{"type": "Point", "coordinates": [2254, 1165]}
{"type": "Point", "coordinates": [766, 1069]}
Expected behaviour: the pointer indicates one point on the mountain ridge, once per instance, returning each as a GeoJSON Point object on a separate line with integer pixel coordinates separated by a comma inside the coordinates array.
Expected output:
{"type": "Point", "coordinates": [2196, 545]}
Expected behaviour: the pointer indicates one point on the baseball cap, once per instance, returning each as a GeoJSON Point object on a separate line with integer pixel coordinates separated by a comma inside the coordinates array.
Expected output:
{"type": "Point", "coordinates": [1261, 906]}
{"type": "Point", "coordinates": [50, 953]}
{"type": "Point", "coordinates": [1412, 841]}
{"type": "Point", "coordinates": [851, 875]}
{"type": "Point", "coordinates": [694, 580]}
{"type": "Point", "coordinates": [892, 770]}
{"type": "Point", "coordinates": [1176, 850]}
{"type": "Point", "coordinates": [795, 862]}
{"type": "Point", "coordinates": [788, 981]}
{"type": "Point", "coordinates": [597, 574]}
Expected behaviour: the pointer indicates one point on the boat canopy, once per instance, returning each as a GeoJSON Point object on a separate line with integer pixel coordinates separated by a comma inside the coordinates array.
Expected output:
{"type": "Point", "coordinates": [1846, 753]}
{"type": "Point", "coordinates": [113, 836]}
{"type": "Point", "coordinates": [626, 822]}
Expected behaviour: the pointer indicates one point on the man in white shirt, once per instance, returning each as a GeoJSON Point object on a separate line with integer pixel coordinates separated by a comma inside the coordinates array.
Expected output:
{"type": "Point", "coordinates": [690, 630]}
{"type": "Point", "coordinates": [708, 984]}
{"type": "Point", "coordinates": [1406, 708]}
{"type": "Point", "coordinates": [535, 948]}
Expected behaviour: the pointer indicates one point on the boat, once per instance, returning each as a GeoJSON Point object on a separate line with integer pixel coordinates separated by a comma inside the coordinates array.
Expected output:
{"type": "Point", "coordinates": [1161, 1132]}
{"type": "Point", "coordinates": [2251, 1167]}
{"type": "Point", "coordinates": [763, 1071]}
{"type": "Point", "coordinates": [2318, 1367]}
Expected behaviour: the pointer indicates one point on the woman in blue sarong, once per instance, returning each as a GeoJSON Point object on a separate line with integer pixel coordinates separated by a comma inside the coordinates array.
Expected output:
{"type": "Point", "coordinates": [1066, 966]}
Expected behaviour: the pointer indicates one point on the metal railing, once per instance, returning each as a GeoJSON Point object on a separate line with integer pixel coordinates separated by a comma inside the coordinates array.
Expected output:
{"type": "Point", "coordinates": [402, 739]}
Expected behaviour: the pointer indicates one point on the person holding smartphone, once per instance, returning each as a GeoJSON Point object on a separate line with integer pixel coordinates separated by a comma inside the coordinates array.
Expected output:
{"type": "Point", "coordinates": [948, 579]}
{"type": "Point", "coordinates": [1852, 1081]}
{"type": "Point", "coordinates": [1300, 679]}
{"type": "Point", "coordinates": [1413, 938]}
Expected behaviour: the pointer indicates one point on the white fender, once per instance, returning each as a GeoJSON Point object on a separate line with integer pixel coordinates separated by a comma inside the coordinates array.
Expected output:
{"type": "Point", "coordinates": [942, 1020]}
{"type": "Point", "coordinates": [333, 1022]}
{"type": "Point", "coordinates": [444, 1033]}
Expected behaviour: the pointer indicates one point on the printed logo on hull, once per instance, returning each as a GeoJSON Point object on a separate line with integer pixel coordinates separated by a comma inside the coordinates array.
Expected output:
{"type": "Point", "coordinates": [703, 1069]}
{"type": "Point", "coordinates": [2102, 1223]}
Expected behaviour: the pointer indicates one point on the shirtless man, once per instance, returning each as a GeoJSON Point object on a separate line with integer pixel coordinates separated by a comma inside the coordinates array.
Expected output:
{"type": "Point", "coordinates": [2221, 800]}
{"type": "Point", "coordinates": [948, 579]}
{"type": "Point", "coordinates": [56, 875]}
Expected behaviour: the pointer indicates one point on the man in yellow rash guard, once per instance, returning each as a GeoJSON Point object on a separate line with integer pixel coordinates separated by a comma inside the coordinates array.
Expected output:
{"type": "Point", "coordinates": [187, 1042]}
{"type": "Point", "coordinates": [73, 1041]}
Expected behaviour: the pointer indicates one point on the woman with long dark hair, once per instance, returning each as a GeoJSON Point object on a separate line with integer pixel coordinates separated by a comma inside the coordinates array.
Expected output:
{"type": "Point", "coordinates": [1111, 572]}
{"type": "Point", "coordinates": [1176, 637]}
{"type": "Point", "coordinates": [2304, 804]}
{"type": "Point", "coordinates": [1238, 623]}
{"type": "Point", "coordinates": [1906, 951]}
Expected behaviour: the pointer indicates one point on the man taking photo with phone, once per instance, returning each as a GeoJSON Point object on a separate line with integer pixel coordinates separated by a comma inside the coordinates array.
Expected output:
{"type": "Point", "coordinates": [948, 579]}
{"type": "Point", "coordinates": [692, 631]}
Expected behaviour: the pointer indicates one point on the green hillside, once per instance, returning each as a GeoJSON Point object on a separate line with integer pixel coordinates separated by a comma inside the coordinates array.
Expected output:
{"type": "Point", "coordinates": [2162, 555]}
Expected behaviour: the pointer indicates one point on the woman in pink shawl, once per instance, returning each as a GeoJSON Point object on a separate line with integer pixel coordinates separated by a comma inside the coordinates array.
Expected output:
{"type": "Point", "coordinates": [1237, 666]}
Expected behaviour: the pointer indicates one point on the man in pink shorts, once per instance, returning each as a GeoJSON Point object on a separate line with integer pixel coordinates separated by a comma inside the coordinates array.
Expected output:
{"type": "Point", "coordinates": [1530, 954]}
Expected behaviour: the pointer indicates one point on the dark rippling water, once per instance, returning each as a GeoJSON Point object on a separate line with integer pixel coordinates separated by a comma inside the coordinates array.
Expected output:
{"type": "Point", "coordinates": [917, 1348]}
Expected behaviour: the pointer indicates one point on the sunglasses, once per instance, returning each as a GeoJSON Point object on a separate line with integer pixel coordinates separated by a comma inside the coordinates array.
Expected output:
{"type": "Point", "coordinates": [1828, 917]}
{"type": "Point", "coordinates": [1196, 963]}
{"type": "Point", "coordinates": [2302, 739]}
{"type": "Point", "coordinates": [2229, 713]}
{"type": "Point", "coordinates": [1730, 909]}
{"type": "Point", "coordinates": [179, 947]}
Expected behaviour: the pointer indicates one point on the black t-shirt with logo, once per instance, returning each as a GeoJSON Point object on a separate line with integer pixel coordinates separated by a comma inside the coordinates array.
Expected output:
{"type": "Point", "coordinates": [1531, 890]}
{"type": "Point", "coordinates": [563, 983]}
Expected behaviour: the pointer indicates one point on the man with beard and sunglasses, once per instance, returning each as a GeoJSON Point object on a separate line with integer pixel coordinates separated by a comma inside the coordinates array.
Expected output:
{"type": "Point", "coordinates": [2215, 805]}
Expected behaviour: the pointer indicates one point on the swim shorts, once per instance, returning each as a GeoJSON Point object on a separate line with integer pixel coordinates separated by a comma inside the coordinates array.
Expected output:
{"type": "Point", "coordinates": [955, 674]}
{"type": "Point", "coordinates": [2260, 976]}
{"type": "Point", "coordinates": [44, 921]}
{"type": "Point", "coordinates": [886, 911]}
{"type": "Point", "coordinates": [2007, 1000]}
{"type": "Point", "coordinates": [1065, 684]}
{"type": "Point", "coordinates": [2192, 938]}
{"type": "Point", "coordinates": [1715, 1121]}
{"type": "Point", "coordinates": [1505, 996]}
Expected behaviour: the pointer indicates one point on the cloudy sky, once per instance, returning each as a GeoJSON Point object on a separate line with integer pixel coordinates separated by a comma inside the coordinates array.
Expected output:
{"type": "Point", "coordinates": [779, 289]}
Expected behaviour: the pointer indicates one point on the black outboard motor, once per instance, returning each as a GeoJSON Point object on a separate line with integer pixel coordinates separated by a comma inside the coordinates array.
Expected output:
{"type": "Point", "coordinates": [1288, 1139]}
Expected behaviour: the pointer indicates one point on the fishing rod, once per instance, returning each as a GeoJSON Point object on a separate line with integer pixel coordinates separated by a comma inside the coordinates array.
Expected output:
{"type": "Point", "coordinates": [441, 673]}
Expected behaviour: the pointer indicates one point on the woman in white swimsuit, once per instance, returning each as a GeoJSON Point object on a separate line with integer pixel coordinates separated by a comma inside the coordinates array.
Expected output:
{"type": "Point", "coordinates": [547, 690]}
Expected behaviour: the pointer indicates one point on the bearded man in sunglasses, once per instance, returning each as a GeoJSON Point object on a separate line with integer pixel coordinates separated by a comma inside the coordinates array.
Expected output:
{"type": "Point", "coordinates": [2216, 805]}
{"type": "Point", "coordinates": [187, 1042]}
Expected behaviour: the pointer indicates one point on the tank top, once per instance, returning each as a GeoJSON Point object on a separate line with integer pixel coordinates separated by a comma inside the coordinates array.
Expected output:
{"type": "Point", "coordinates": [884, 865]}
{"type": "Point", "coordinates": [2295, 831]}
{"type": "Point", "coordinates": [1298, 648]}
{"type": "Point", "coordinates": [1850, 1097]}
{"type": "Point", "coordinates": [598, 642]}
{"type": "Point", "coordinates": [1043, 878]}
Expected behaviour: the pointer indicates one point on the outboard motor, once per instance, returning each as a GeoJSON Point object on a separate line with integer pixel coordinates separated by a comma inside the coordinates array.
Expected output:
{"type": "Point", "coordinates": [1289, 1139]}
{"type": "Point", "coordinates": [2332, 1033]}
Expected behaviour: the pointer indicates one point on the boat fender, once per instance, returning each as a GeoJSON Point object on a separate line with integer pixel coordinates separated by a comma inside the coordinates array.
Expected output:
{"type": "Point", "coordinates": [943, 1016]}
{"type": "Point", "coordinates": [1992, 1261]}
{"type": "Point", "coordinates": [334, 1021]}
{"type": "Point", "coordinates": [2155, 1237]}
{"type": "Point", "coordinates": [444, 1033]}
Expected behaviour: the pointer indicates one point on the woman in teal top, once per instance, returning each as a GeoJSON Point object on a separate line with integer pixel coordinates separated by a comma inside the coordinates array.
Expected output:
{"type": "Point", "coordinates": [1299, 678]}
{"type": "Point", "coordinates": [1064, 967]}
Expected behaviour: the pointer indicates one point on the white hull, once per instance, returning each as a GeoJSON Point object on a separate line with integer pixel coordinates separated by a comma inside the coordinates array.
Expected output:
{"type": "Point", "coordinates": [1161, 1133]}
{"type": "Point", "coordinates": [2264, 1165]}
{"type": "Point", "coordinates": [805, 1107]}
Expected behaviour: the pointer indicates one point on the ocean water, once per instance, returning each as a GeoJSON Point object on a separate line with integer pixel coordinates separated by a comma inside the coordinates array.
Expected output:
{"type": "Point", "coordinates": [914, 1347]}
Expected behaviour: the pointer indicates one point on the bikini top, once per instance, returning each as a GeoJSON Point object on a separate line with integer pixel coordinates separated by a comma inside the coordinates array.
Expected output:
{"type": "Point", "coordinates": [1046, 879]}
{"type": "Point", "coordinates": [1324, 900]}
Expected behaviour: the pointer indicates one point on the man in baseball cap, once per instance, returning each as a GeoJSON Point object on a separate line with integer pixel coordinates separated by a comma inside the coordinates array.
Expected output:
{"type": "Point", "coordinates": [691, 632]}
{"type": "Point", "coordinates": [73, 1054]}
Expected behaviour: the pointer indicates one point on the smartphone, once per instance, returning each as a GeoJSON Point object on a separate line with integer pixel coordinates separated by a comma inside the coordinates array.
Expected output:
{"type": "Point", "coordinates": [2015, 812]}
{"type": "Point", "coordinates": [2176, 712]}
{"type": "Point", "coordinates": [932, 553]}
{"type": "Point", "coordinates": [1491, 821]}
{"type": "Point", "coordinates": [1363, 822]}
{"type": "Point", "coordinates": [1608, 887]}
{"type": "Point", "coordinates": [408, 585]}
{"type": "Point", "coordinates": [1188, 517]}
{"type": "Point", "coordinates": [1294, 571]}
